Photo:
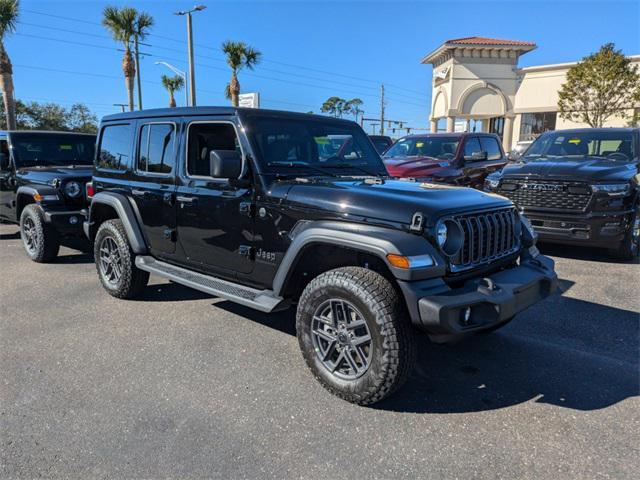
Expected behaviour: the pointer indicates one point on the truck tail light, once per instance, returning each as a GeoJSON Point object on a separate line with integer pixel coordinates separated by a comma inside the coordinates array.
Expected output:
{"type": "Point", "coordinates": [90, 190]}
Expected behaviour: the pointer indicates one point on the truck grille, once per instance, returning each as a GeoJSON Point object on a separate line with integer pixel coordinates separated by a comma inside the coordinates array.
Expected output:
{"type": "Point", "coordinates": [488, 236]}
{"type": "Point", "coordinates": [556, 195]}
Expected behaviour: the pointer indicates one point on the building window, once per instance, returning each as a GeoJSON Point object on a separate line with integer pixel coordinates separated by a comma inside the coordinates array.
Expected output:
{"type": "Point", "coordinates": [496, 125]}
{"type": "Point", "coordinates": [534, 124]}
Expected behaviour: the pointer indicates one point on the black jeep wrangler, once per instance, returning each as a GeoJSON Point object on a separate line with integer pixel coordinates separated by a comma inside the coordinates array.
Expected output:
{"type": "Point", "coordinates": [579, 187]}
{"type": "Point", "coordinates": [42, 186]}
{"type": "Point", "coordinates": [243, 204]}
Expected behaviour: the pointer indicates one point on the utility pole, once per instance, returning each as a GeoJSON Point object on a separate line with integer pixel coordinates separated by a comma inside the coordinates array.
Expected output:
{"type": "Point", "coordinates": [121, 105]}
{"type": "Point", "coordinates": [192, 75]}
{"type": "Point", "coordinates": [381, 109]}
{"type": "Point", "coordinates": [137, 58]}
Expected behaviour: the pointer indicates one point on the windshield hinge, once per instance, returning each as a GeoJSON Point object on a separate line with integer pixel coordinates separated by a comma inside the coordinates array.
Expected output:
{"type": "Point", "coordinates": [417, 223]}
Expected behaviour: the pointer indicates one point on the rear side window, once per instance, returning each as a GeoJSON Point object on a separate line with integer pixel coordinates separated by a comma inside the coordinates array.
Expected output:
{"type": "Point", "coordinates": [115, 147]}
{"type": "Point", "coordinates": [490, 145]}
{"type": "Point", "coordinates": [156, 152]}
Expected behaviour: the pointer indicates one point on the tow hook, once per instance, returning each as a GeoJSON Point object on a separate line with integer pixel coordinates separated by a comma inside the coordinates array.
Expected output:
{"type": "Point", "coordinates": [488, 285]}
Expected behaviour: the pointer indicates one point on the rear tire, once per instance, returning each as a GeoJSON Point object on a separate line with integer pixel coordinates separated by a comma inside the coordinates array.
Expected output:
{"type": "Point", "coordinates": [40, 241]}
{"type": "Point", "coordinates": [353, 333]}
{"type": "Point", "coordinates": [115, 262]}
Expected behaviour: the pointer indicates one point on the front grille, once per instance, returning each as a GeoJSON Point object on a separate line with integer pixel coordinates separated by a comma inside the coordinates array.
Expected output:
{"type": "Point", "coordinates": [488, 236]}
{"type": "Point", "coordinates": [556, 195]}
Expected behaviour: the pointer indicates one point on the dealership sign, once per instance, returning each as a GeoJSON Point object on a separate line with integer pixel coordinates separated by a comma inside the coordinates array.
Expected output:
{"type": "Point", "coordinates": [249, 100]}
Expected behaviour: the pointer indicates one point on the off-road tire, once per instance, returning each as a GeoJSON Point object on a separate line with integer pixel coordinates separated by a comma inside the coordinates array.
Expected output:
{"type": "Point", "coordinates": [132, 280]}
{"type": "Point", "coordinates": [384, 311]}
{"type": "Point", "coordinates": [45, 243]}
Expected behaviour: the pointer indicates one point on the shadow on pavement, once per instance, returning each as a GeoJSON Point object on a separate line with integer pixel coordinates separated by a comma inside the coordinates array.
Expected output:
{"type": "Point", "coordinates": [564, 352]}
{"type": "Point", "coordinates": [170, 292]}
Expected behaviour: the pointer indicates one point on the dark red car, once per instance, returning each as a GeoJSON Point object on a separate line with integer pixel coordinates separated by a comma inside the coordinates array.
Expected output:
{"type": "Point", "coordinates": [455, 158]}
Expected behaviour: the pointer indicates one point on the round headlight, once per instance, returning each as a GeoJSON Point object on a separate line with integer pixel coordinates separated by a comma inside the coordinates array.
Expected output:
{"type": "Point", "coordinates": [72, 189]}
{"type": "Point", "coordinates": [449, 236]}
{"type": "Point", "coordinates": [441, 234]}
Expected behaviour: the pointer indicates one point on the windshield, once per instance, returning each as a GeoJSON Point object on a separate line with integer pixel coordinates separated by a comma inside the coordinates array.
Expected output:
{"type": "Point", "coordinates": [442, 148]}
{"type": "Point", "coordinates": [313, 147]}
{"type": "Point", "coordinates": [615, 145]}
{"type": "Point", "coordinates": [44, 149]}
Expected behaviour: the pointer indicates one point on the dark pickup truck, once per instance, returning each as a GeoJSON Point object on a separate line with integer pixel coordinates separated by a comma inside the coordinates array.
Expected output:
{"type": "Point", "coordinates": [42, 186]}
{"type": "Point", "coordinates": [579, 187]}
{"type": "Point", "coordinates": [455, 158]}
{"type": "Point", "coordinates": [254, 207]}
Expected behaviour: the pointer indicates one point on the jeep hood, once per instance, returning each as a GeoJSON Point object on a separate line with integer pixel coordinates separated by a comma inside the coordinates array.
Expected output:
{"type": "Point", "coordinates": [391, 201]}
{"type": "Point", "coordinates": [586, 169]}
{"type": "Point", "coordinates": [45, 175]}
{"type": "Point", "coordinates": [416, 167]}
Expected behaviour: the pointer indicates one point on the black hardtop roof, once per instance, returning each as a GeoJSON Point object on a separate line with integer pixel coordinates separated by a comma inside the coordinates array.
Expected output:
{"type": "Point", "coordinates": [47, 132]}
{"type": "Point", "coordinates": [208, 111]}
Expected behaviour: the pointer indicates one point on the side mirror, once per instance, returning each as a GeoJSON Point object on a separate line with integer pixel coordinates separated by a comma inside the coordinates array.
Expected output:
{"type": "Point", "coordinates": [225, 163]}
{"type": "Point", "coordinates": [476, 157]}
{"type": "Point", "coordinates": [4, 161]}
{"type": "Point", "coordinates": [513, 156]}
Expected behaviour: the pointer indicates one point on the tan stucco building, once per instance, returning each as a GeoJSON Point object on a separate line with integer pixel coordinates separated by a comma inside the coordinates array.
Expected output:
{"type": "Point", "coordinates": [477, 84]}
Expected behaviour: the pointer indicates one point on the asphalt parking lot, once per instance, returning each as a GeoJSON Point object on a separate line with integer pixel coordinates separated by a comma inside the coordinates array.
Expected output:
{"type": "Point", "coordinates": [180, 384]}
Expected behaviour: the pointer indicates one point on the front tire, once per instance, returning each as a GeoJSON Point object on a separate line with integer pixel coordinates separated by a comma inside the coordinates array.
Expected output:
{"type": "Point", "coordinates": [115, 262]}
{"type": "Point", "coordinates": [40, 241]}
{"type": "Point", "coordinates": [352, 330]}
{"type": "Point", "coordinates": [630, 246]}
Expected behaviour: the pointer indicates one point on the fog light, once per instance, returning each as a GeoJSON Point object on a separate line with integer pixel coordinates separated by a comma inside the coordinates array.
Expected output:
{"type": "Point", "coordinates": [466, 317]}
{"type": "Point", "coordinates": [73, 220]}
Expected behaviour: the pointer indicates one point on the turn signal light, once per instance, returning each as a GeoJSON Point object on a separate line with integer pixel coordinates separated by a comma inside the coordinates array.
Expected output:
{"type": "Point", "coordinates": [398, 261]}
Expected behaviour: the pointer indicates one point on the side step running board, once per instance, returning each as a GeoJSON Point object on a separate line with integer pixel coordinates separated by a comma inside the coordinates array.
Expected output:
{"type": "Point", "coordinates": [263, 300]}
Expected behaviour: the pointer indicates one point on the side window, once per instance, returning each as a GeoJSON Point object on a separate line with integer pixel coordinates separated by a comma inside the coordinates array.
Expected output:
{"type": "Point", "coordinates": [471, 146]}
{"type": "Point", "coordinates": [204, 137]}
{"type": "Point", "coordinates": [115, 147]}
{"type": "Point", "coordinates": [491, 146]}
{"type": "Point", "coordinates": [4, 149]}
{"type": "Point", "coordinates": [155, 152]}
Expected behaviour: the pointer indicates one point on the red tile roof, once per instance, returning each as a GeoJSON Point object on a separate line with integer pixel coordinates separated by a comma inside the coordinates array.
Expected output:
{"type": "Point", "coordinates": [489, 41]}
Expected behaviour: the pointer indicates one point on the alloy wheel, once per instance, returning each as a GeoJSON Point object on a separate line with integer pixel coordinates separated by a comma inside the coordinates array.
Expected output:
{"type": "Point", "coordinates": [341, 339]}
{"type": "Point", "coordinates": [30, 235]}
{"type": "Point", "coordinates": [110, 261]}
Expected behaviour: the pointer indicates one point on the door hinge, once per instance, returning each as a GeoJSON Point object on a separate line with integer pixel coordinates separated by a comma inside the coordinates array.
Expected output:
{"type": "Point", "coordinates": [248, 209]}
{"type": "Point", "coordinates": [247, 251]}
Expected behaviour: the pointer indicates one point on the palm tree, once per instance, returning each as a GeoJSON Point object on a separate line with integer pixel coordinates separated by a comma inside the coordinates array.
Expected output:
{"type": "Point", "coordinates": [8, 21]}
{"type": "Point", "coordinates": [121, 23]}
{"type": "Point", "coordinates": [239, 55]}
{"type": "Point", "coordinates": [141, 29]}
{"type": "Point", "coordinates": [172, 84]}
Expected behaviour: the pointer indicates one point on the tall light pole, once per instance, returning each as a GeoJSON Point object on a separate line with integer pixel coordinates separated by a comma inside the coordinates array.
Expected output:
{"type": "Point", "coordinates": [184, 77]}
{"type": "Point", "coordinates": [192, 78]}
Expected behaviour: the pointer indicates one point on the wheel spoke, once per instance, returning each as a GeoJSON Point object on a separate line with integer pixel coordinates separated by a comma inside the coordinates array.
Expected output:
{"type": "Point", "coordinates": [360, 340]}
{"type": "Point", "coordinates": [325, 335]}
{"type": "Point", "coordinates": [350, 360]}
{"type": "Point", "coordinates": [362, 357]}
{"type": "Point", "coordinates": [329, 351]}
{"type": "Point", "coordinates": [356, 324]}
{"type": "Point", "coordinates": [338, 311]}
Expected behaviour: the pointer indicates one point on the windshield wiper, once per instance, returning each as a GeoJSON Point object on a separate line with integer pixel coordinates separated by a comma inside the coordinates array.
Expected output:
{"type": "Point", "coordinates": [298, 163]}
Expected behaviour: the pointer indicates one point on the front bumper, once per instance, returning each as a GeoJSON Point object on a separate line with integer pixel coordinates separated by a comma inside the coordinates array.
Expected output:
{"type": "Point", "coordinates": [440, 310]}
{"type": "Point", "coordinates": [67, 222]}
{"type": "Point", "coordinates": [605, 229]}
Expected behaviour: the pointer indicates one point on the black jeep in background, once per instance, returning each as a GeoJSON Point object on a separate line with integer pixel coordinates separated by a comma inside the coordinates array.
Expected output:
{"type": "Point", "coordinates": [42, 186]}
{"type": "Point", "coordinates": [579, 187]}
{"type": "Point", "coordinates": [249, 205]}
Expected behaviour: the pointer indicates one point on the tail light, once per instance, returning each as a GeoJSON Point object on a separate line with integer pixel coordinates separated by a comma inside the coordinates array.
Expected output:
{"type": "Point", "coordinates": [89, 190]}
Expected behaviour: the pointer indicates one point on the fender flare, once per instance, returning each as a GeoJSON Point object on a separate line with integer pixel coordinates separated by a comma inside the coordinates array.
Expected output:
{"type": "Point", "coordinates": [379, 241]}
{"type": "Point", "coordinates": [30, 191]}
{"type": "Point", "coordinates": [125, 213]}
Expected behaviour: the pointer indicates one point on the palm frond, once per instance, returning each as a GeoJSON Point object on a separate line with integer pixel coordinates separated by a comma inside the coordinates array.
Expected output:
{"type": "Point", "coordinates": [143, 23]}
{"type": "Point", "coordinates": [9, 10]}
{"type": "Point", "coordinates": [172, 84]}
{"type": "Point", "coordinates": [121, 23]}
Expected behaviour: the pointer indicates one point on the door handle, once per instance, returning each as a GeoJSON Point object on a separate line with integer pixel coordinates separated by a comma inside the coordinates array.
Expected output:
{"type": "Point", "coordinates": [189, 200]}
{"type": "Point", "coordinates": [167, 198]}
{"type": "Point", "coordinates": [139, 193]}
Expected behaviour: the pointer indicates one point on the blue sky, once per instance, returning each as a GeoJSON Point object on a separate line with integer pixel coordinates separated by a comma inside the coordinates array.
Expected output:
{"type": "Point", "coordinates": [312, 50]}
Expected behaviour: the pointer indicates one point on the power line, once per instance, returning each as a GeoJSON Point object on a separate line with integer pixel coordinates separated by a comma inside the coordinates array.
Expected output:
{"type": "Point", "coordinates": [333, 74]}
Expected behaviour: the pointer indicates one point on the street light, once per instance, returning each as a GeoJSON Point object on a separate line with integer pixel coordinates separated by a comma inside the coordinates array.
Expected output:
{"type": "Point", "coordinates": [184, 77]}
{"type": "Point", "coordinates": [192, 78]}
